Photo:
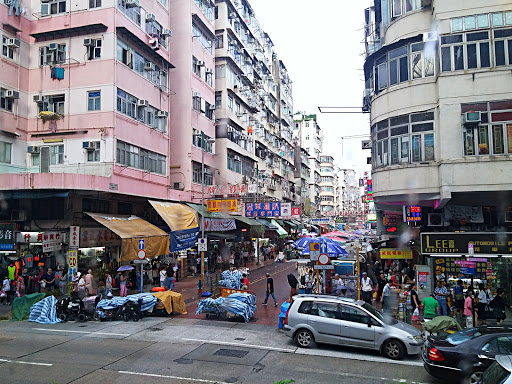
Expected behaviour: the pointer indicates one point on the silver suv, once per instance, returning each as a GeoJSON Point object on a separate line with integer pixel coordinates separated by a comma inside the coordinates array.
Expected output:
{"type": "Point", "coordinates": [342, 321]}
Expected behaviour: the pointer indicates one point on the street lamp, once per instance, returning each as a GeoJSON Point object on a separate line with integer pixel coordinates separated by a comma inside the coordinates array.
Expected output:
{"type": "Point", "coordinates": [203, 147]}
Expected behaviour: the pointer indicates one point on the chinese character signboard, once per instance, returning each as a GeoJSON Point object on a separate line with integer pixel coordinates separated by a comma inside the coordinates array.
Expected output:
{"type": "Point", "coordinates": [296, 212]}
{"type": "Point", "coordinates": [391, 253]}
{"type": "Point", "coordinates": [72, 263]}
{"type": "Point", "coordinates": [229, 205]}
{"type": "Point", "coordinates": [412, 213]}
{"type": "Point", "coordinates": [6, 237]}
{"type": "Point", "coordinates": [219, 225]}
{"type": "Point", "coordinates": [252, 188]}
{"type": "Point", "coordinates": [74, 237]}
{"type": "Point", "coordinates": [286, 209]}
{"type": "Point", "coordinates": [98, 237]}
{"type": "Point", "coordinates": [236, 189]}
{"type": "Point", "coordinates": [263, 209]}
{"type": "Point", "coordinates": [484, 243]}
{"type": "Point", "coordinates": [51, 241]}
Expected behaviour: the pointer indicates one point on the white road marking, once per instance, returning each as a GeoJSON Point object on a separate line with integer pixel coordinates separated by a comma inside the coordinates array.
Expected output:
{"type": "Point", "coordinates": [26, 362]}
{"type": "Point", "coordinates": [287, 350]}
{"type": "Point", "coordinates": [172, 377]}
{"type": "Point", "coordinates": [82, 332]}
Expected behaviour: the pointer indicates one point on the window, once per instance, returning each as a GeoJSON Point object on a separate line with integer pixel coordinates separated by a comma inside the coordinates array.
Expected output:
{"type": "Point", "coordinates": [7, 51]}
{"type": "Point", "coordinates": [57, 154]}
{"type": "Point", "coordinates": [52, 54]}
{"type": "Point", "coordinates": [126, 103]}
{"type": "Point", "coordinates": [154, 29]}
{"type": "Point", "coordinates": [353, 315]}
{"type": "Point", "coordinates": [5, 103]}
{"type": "Point", "coordinates": [139, 158]}
{"type": "Point", "coordinates": [196, 174]}
{"type": "Point", "coordinates": [196, 103]}
{"type": "Point", "coordinates": [196, 68]}
{"type": "Point", "coordinates": [94, 3]}
{"type": "Point", "coordinates": [132, 12]}
{"type": "Point", "coordinates": [54, 103]}
{"type": "Point", "coordinates": [208, 77]}
{"type": "Point", "coordinates": [234, 162]}
{"type": "Point", "coordinates": [93, 152]}
{"type": "Point", "coordinates": [398, 65]}
{"type": "Point", "coordinates": [230, 103]}
{"type": "Point", "coordinates": [465, 51]}
{"type": "Point", "coordinates": [208, 110]}
{"type": "Point", "coordinates": [53, 8]}
{"type": "Point", "coordinates": [94, 50]}
{"type": "Point", "coordinates": [401, 7]}
{"type": "Point", "coordinates": [199, 36]}
{"type": "Point", "coordinates": [503, 47]}
{"type": "Point", "coordinates": [196, 141]}
{"type": "Point", "coordinates": [422, 60]}
{"type": "Point", "coordinates": [206, 7]}
{"type": "Point", "coordinates": [219, 41]}
{"type": "Point", "coordinates": [218, 100]}
{"type": "Point", "coordinates": [5, 152]}
{"type": "Point", "coordinates": [328, 310]}
{"type": "Point", "coordinates": [93, 100]}
{"type": "Point", "coordinates": [305, 307]}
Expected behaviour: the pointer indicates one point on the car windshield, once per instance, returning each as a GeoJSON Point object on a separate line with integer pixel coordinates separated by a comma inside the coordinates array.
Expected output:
{"type": "Point", "coordinates": [378, 314]}
{"type": "Point", "coordinates": [462, 336]}
{"type": "Point", "coordinates": [495, 374]}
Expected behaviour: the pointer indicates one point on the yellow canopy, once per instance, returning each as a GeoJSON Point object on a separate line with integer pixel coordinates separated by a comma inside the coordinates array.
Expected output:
{"type": "Point", "coordinates": [177, 216]}
{"type": "Point", "coordinates": [172, 301]}
{"type": "Point", "coordinates": [131, 229]}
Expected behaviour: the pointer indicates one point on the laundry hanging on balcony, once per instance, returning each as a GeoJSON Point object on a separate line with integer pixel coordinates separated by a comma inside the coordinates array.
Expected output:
{"type": "Point", "coordinates": [13, 4]}
{"type": "Point", "coordinates": [57, 73]}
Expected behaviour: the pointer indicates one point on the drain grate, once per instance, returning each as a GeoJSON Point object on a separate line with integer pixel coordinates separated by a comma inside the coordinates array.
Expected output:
{"type": "Point", "coordinates": [239, 339]}
{"type": "Point", "coordinates": [231, 353]}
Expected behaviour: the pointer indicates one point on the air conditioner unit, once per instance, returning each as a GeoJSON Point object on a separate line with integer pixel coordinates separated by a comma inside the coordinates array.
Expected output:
{"type": "Point", "coordinates": [52, 47]}
{"type": "Point", "coordinates": [89, 42]}
{"type": "Point", "coordinates": [472, 118]}
{"type": "Point", "coordinates": [13, 43]}
{"type": "Point", "coordinates": [211, 107]}
{"type": "Point", "coordinates": [200, 63]}
{"type": "Point", "coordinates": [239, 114]}
{"type": "Point", "coordinates": [91, 145]}
{"type": "Point", "coordinates": [196, 94]}
{"type": "Point", "coordinates": [435, 220]}
{"type": "Point", "coordinates": [237, 158]}
{"type": "Point", "coordinates": [150, 17]}
{"type": "Point", "coordinates": [38, 98]}
{"type": "Point", "coordinates": [142, 103]}
{"type": "Point", "coordinates": [154, 43]}
{"type": "Point", "coordinates": [166, 32]}
{"type": "Point", "coordinates": [233, 15]}
{"type": "Point", "coordinates": [11, 94]}
{"type": "Point", "coordinates": [149, 66]}
{"type": "Point", "coordinates": [179, 185]}
{"type": "Point", "coordinates": [131, 3]}
{"type": "Point", "coordinates": [209, 70]}
{"type": "Point", "coordinates": [162, 114]}
{"type": "Point", "coordinates": [32, 149]}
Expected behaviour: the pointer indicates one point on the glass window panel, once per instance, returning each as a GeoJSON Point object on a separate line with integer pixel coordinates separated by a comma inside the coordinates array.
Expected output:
{"type": "Point", "coordinates": [457, 24]}
{"type": "Point", "coordinates": [497, 19]}
{"type": "Point", "coordinates": [470, 22]}
{"type": "Point", "coordinates": [451, 39]}
{"type": "Point", "coordinates": [400, 131]}
{"type": "Point", "coordinates": [446, 60]}
{"type": "Point", "coordinates": [394, 151]}
{"type": "Point", "coordinates": [416, 148]}
{"type": "Point", "coordinates": [423, 127]}
{"type": "Point", "coordinates": [508, 18]}
{"type": "Point", "coordinates": [458, 57]}
{"type": "Point", "coordinates": [397, 8]}
{"type": "Point", "coordinates": [499, 52]}
{"type": "Point", "coordinates": [91, 104]}
{"type": "Point", "coordinates": [429, 147]}
{"type": "Point", "coordinates": [499, 33]}
{"type": "Point", "coordinates": [385, 152]}
{"type": "Point", "coordinates": [393, 72]}
{"type": "Point", "coordinates": [417, 47]}
{"type": "Point", "coordinates": [509, 44]}
{"type": "Point", "coordinates": [417, 65]}
{"type": "Point", "coordinates": [471, 50]}
{"type": "Point", "coordinates": [382, 76]}
{"type": "Point", "coordinates": [404, 149]}
{"type": "Point", "coordinates": [424, 116]}
{"type": "Point", "coordinates": [483, 141]}
{"type": "Point", "coordinates": [404, 71]}
{"type": "Point", "coordinates": [497, 139]}
{"type": "Point", "coordinates": [482, 21]}
{"type": "Point", "coordinates": [398, 52]}
{"type": "Point", "coordinates": [477, 36]}
{"type": "Point", "coordinates": [399, 120]}
{"type": "Point", "coordinates": [509, 138]}
{"type": "Point", "coordinates": [469, 142]}
{"type": "Point", "coordinates": [429, 61]}
{"type": "Point", "coordinates": [485, 55]}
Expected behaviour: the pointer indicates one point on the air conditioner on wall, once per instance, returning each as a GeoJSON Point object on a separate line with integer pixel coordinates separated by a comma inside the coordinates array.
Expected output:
{"type": "Point", "coordinates": [435, 220]}
{"type": "Point", "coordinates": [32, 149]}
{"type": "Point", "coordinates": [38, 98]}
{"type": "Point", "coordinates": [196, 94]}
{"type": "Point", "coordinates": [162, 114]}
{"type": "Point", "coordinates": [89, 42]}
{"type": "Point", "coordinates": [150, 17]}
{"type": "Point", "coordinates": [142, 103]}
{"type": "Point", "coordinates": [148, 66]}
{"type": "Point", "coordinates": [131, 3]}
{"type": "Point", "coordinates": [472, 118]}
{"type": "Point", "coordinates": [11, 94]}
{"type": "Point", "coordinates": [13, 43]}
{"type": "Point", "coordinates": [179, 185]}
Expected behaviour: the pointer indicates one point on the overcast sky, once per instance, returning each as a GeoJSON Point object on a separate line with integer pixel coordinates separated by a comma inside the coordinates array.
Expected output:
{"type": "Point", "coordinates": [320, 43]}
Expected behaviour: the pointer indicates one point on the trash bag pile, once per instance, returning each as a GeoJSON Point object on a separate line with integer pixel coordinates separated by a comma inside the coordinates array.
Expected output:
{"type": "Point", "coordinates": [231, 280]}
{"type": "Point", "coordinates": [239, 304]}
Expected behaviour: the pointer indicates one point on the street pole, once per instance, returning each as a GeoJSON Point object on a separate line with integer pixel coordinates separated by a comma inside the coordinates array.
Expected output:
{"type": "Point", "coordinates": [202, 202]}
{"type": "Point", "coordinates": [358, 273]}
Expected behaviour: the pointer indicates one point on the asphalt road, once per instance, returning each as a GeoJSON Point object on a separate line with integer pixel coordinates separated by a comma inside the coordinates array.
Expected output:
{"type": "Point", "coordinates": [160, 350]}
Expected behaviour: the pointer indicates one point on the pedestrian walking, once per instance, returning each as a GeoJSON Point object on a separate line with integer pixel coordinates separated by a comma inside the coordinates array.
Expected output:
{"type": "Point", "coordinates": [380, 285]}
{"type": "Point", "coordinates": [108, 283]}
{"type": "Point", "coordinates": [163, 276]}
{"type": "Point", "coordinates": [415, 301]}
{"type": "Point", "coordinates": [293, 282]}
{"type": "Point", "coordinates": [6, 289]}
{"type": "Point", "coordinates": [62, 280]}
{"type": "Point", "coordinates": [270, 290]}
{"type": "Point", "coordinates": [458, 298]}
{"type": "Point", "coordinates": [175, 269]}
{"type": "Point", "coordinates": [441, 293]}
{"type": "Point", "coordinates": [366, 288]}
{"type": "Point", "coordinates": [468, 307]}
{"type": "Point", "coordinates": [89, 278]}
{"type": "Point", "coordinates": [170, 280]}
{"type": "Point", "coordinates": [483, 301]}
{"type": "Point", "coordinates": [499, 305]}
{"type": "Point", "coordinates": [386, 299]}
{"type": "Point", "coordinates": [122, 286]}
{"type": "Point", "coordinates": [49, 280]}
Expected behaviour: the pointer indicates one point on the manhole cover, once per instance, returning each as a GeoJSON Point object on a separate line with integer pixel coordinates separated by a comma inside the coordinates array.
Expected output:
{"type": "Point", "coordinates": [239, 339]}
{"type": "Point", "coordinates": [231, 353]}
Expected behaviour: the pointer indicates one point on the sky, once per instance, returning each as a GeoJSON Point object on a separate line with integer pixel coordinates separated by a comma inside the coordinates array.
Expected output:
{"type": "Point", "coordinates": [321, 44]}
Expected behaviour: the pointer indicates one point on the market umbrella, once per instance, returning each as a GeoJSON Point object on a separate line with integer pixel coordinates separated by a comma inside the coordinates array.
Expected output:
{"type": "Point", "coordinates": [125, 268]}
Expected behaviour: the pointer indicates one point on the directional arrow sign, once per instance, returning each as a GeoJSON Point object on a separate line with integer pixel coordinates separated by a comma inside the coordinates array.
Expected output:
{"type": "Point", "coordinates": [141, 244]}
{"type": "Point", "coordinates": [323, 248]}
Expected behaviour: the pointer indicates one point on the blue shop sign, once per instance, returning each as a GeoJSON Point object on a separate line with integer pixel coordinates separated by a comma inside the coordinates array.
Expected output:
{"type": "Point", "coordinates": [263, 209]}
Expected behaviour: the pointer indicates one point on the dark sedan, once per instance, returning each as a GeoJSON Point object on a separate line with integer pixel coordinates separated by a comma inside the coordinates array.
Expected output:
{"type": "Point", "coordinates": [465, 355]}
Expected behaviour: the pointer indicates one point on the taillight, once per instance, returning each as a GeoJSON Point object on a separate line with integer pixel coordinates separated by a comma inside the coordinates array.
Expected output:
{"type": "Point", "coordinates": [286, 318]}
{"type": "Point", "coordinates": [434, 355]}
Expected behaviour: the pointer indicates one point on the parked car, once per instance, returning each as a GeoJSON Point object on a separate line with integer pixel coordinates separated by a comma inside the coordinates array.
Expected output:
{"type": "Point", "coordinates": [499, 372]}
{"type": "Point", "coordinates": [344, 321]}
{"type": "Point", "coordinates": [466, 354]}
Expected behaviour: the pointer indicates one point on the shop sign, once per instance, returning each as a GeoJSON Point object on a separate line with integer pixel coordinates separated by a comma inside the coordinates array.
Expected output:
{"type": "Point", "coordinates": [7, 237]}
{"type": "Point", "coordinates": [29, 237]}
{"type": "Point", "coordinates": [72, 263]}
{"type": "Point", "coordinates": [219, 225]}
{"type": "Point", "coordinates": [263, 209]}
{"type": "Point", "coordinates": [74, 237]}
{"type": "Point", "coordinates": [296, 212]}
{"type": "Point", "coordinates": [392, 253]}
{"type": "Point", "coordinates": [286, 209]}
{"type": "Point", "coordinates": [98, 237]}
{"type": "Point", "coordinates": [412, 213]}
{"type": "Point", "coordinates": [391, 220]}
{"type": "Point", "coordinates": [229, 205]}
{"type": "Point", "coordinates": [252, 188]}
{"type": "Point", "coordinates": [236, 189]}
{"type": "Point", "coordinates": [51, 241]}
{"type": "Point", "coordinates": [466, 267]}
{"type": "Point", "coordinates": [490, 243]}
{"type": "Point", "coordinates": [456, 266]}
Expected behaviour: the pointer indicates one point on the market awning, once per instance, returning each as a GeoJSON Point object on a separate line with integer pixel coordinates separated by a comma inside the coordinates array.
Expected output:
{"type": "Point", "coordinates": [131, 230]}
{"type": "Point", "coordinates": [315, 228]}
{"type": "Point", "coordinates": [212, 215]}
{"type": "Point", "coordinates": [255, 227]}
{"type": "Point", "coordinates": [267, 225]}
{"type": "Point", "coordinates": [291, 223]}
{"type": "Point", "coordinates": [280, 230]}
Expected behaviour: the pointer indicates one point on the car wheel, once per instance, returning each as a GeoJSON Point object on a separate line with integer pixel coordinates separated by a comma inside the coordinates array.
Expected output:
{"type": "Point", "coordinates": [474, 378]}
{"type": "Point", "coordinates": [304, 338]}
{"type": "Point", "coordinates": [82, 317]}
{"type": "Point", "coordinates": [63, 317]}
{"type": "Point", "coordinates": [393, 349]}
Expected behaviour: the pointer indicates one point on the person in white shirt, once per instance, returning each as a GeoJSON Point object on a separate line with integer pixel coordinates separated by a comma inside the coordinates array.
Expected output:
{"type": "Point", "coordinates": [6, 289]}
{"type": "Point", "coordinates": [366, 288]}
{"type": "Point", "coordinates": [163, 276]}
{"type": "Point", "coordinates": [175, 270]}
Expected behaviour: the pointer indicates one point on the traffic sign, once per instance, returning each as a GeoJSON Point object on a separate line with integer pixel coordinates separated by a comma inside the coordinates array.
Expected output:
{"type": "Point", "coordinates": [323, 267]}
{"type": "Point", "coordinates": [314, 246]}
{"type": "Point", "coordinates": [202, 245]}
{"type": "Point", "coordinates": [323, 248]}
{"type": "Point", "coordinates": [140, 261]}
{"type": "Point", "coordinates": [141, 244]}
{"type": "Point", "coordinates": [141, 254]}
{"type": "Point", "coordinates": [323, 259]}
{"type": "Point", "coordinates": [313, 255]}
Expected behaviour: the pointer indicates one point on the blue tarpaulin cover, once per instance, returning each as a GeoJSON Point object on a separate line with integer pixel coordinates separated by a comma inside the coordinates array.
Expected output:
{"type": "Point", "coordinates": [241, 304]}
{"type": "Point", "coordinates": [44, 312]}
{"type": "Point", "coordinates": [282, 314]}
{"type": "Point", "coordinates": [148, 301]}
{"type": "Point", "coordinates": [231, 280]}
